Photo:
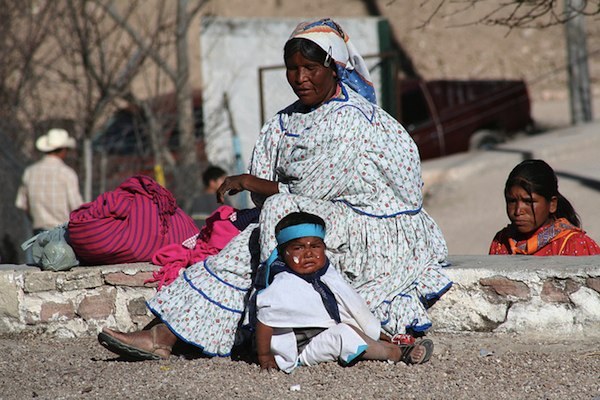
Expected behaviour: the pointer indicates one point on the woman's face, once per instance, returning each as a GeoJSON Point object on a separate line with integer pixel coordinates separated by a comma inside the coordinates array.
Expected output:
{"type": "Point", "coordinates": [528, 213]}
{"type": "Point", "coordinates": [312, 82]}
{"type": "Point", "coordinates": [305, 255]}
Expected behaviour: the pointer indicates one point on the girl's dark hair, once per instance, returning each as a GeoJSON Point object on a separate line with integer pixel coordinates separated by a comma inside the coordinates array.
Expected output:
{"type": "Point", "coordinates": [296, 218]}
{"type": "Point", "coordinates": [309, 50]}
{"type": "Point", "coordinates": [536, 176]}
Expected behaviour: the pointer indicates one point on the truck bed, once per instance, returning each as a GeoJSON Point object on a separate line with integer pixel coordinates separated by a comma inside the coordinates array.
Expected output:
{"type": "Point", "coordinates": [444, 115]}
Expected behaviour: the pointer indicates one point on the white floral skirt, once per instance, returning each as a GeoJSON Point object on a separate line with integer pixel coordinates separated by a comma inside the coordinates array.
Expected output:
{"type": "Point", "coordinates": [394, 263]}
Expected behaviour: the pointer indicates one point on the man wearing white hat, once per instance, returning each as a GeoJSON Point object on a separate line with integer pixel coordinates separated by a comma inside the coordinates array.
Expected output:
{"type": "Point", "coordinates": [49, 189]}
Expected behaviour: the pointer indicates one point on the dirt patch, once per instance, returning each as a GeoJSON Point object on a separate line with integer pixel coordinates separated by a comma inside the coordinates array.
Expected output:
{"type": "Point", "coordinates": [474, 366]}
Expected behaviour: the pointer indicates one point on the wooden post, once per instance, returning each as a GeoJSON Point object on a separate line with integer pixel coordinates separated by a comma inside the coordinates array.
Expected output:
{"type": "Point", "coordinates": [577, 61]}
{"type": "Point", "coordinates": [88, 154]}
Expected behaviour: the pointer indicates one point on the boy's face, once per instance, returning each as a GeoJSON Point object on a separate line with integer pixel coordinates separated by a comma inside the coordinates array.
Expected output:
{"type": "Point", "coordinates": [214, 184]}
{"type": "Point", "coordinates": [305, 255]}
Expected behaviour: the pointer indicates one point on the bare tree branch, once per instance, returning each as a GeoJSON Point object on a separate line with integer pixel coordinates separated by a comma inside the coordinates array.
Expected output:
{"type": "Point", "coordinates": [433, 14]}
{"type": "Point", "coordinates": [86, 63]}
{"type": "Point", "coordinates": [138, 40]}
{"type": "Point", "coordinates": [23, 55]}
{"type": "Point", "coordinates": [511, 13]}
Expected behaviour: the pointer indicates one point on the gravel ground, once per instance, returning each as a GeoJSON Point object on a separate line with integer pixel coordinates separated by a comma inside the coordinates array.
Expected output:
{"type": "Point", "coordinates": [472, 366]}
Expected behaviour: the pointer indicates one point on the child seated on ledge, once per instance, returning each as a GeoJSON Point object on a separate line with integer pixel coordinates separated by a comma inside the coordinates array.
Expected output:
{"type": "Point", "coordinates": [543, 221]}
{"type": "Point", "coordinates": [308, 314]}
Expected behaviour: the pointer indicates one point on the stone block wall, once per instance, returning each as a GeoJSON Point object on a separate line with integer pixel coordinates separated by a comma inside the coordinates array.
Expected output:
{"type": "Point", "coordinates": [524, 295]}
{"type": "Point", "coordinates": [74, 303]}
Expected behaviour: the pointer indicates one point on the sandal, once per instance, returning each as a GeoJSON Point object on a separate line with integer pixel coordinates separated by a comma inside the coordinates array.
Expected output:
{"type": "Point", "coordinates": [115, 342]}
{"type": "Point", "coordinates": [407, 350]}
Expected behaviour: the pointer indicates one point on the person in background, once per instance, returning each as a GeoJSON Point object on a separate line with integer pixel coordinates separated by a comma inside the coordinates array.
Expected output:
{"type": "Point", "coordinates": [206, 203]}
{"type": "Point", "coordinates": [308, 314]}
{"type": "Point", "coordinates": [49, 188]}
{"type": "Point", "coordinates": [212, 178]}
{"type": "Point", "coordinates": [543, 221]}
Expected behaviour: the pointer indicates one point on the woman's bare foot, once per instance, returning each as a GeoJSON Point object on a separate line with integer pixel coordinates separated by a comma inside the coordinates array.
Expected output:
{"type": "Point", "coordinates": [153, 344]}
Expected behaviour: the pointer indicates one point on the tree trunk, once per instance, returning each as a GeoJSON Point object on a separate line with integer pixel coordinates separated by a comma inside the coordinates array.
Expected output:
{"type": "Point", "coordinates": [188, 175]}
{"type": "Point", "coordinates": [577, 61]}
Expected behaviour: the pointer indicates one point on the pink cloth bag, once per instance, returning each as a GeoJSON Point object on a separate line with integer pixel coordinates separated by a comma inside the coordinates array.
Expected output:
{"type": "Point", "coordinates": [128, 224]}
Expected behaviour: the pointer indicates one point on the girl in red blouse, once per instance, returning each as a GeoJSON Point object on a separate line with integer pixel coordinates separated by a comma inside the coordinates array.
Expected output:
{"type": "Point", "coordinates": [543, 222]}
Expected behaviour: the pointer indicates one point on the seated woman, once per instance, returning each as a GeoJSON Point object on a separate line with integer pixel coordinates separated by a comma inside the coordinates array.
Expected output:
{"type": "Point", "coordinates": [333, 153]}
{"type": "Point", "coordinates": [543, 221]}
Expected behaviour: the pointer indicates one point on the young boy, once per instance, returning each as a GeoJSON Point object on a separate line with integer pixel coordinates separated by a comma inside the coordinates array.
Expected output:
{"type": "Point", "coordinates": [308, 314]}
{"type": "Point", "coordinates": [205, 203]}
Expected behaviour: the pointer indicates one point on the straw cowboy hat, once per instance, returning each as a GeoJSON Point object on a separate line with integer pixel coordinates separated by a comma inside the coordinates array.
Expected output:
{"type": "Point", "coordinates": [55, 139]}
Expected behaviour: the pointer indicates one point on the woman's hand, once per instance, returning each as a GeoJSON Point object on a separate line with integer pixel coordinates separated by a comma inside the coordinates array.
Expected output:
{"type": "Point", "coordinates": [238, 183]}
{"type": "Point", "coordinates": [231, 185]}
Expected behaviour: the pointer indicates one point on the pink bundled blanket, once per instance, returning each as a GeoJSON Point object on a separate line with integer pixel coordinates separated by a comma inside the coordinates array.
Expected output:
{"type": "Point", "coordinates": [214, 235]}
{"type": "Point", "coordinates": [128, 224]}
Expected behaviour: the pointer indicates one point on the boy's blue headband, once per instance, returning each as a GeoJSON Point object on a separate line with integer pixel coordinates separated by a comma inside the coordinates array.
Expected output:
{"type": "Point", "coordinates": [298, 231]}
{"type": "Point", "coordinates": [291, 233]}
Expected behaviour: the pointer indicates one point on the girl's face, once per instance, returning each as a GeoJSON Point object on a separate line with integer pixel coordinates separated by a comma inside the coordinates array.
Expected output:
{"type": "Point", "coordinates": [528, 213]}
{"type": "Point", "coordinates": [305, 255]}
{"type": "Point", "coordinates": [312, 82]}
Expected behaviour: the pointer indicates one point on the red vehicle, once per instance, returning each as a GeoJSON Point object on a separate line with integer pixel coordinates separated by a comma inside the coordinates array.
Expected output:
{"type": "Point", "coordinates": [451, 116]}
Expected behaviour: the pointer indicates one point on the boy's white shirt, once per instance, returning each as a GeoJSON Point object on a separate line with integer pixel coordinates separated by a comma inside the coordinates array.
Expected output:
{"type": "Point", "coordinates": [291, 302]}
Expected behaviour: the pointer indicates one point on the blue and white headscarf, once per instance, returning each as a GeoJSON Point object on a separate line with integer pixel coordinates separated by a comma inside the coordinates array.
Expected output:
{"type": "Point", "coordinates": [351, 67]}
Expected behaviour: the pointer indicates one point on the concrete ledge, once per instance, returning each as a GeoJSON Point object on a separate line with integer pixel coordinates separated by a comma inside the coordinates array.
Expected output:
{"type": "Point", "coordinates": [533, 295]}
{"type": "Point", "coordinates": [548, 146]}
